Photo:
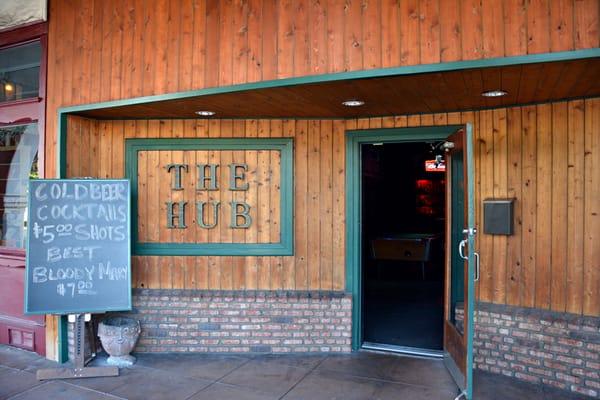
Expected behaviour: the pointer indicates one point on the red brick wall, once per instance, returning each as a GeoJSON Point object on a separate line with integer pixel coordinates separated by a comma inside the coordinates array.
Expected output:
{"type": "Point", "coordinates": [251, 321]}
{"type": "Point", "coordinates": [543, 347]}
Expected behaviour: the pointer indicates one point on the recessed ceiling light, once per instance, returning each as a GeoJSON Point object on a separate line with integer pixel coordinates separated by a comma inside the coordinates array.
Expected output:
{"type": "Point", "coordinates": [494, 93]}
{"type": "Point", "coordinates": [205, 113]}
{"type": "Point", "coordinates": [353, 103]}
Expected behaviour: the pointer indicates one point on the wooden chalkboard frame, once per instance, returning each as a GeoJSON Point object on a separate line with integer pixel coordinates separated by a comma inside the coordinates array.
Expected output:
{"type": "Point", "coordinates": [77, 310]}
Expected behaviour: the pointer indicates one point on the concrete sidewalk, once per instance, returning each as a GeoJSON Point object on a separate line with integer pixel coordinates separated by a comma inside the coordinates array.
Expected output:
{"type": "Point", "coordinates": [357, 376]}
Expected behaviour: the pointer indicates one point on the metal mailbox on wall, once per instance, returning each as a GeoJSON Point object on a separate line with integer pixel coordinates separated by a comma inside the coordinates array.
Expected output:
{"type": "Point", "coordinates": [498, 216]}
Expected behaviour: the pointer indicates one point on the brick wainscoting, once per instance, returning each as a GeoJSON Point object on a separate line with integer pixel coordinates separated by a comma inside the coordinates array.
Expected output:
{"type": "Point", "coordinates": [556, 349]}
{"type": "Point", "coordinates": [242, 321]}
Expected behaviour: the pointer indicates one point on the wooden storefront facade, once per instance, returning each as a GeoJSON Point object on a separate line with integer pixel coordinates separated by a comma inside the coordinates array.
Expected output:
{"type": "Point", "coordinates": [111, 62]}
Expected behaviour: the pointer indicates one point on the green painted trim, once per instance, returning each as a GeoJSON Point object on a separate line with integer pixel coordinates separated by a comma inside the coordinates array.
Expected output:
{"type": "Point", "coordinates": [354, 140]}
{"type": "Point", "coordinates": [470, 327]}
{"type": "Point", "coordinates": [285, 247]}
{"type": "Point", "coordinates": [61, 146]}
{"type": "Point", "coordinates": [351, 75]}
{"type": "Point", "coordinates": [211, 249]}
{"type": "Point", "coordinates": [63, 339]}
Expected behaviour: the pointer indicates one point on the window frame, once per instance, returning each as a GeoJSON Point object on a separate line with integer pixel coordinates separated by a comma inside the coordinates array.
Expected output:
{"type": "Point", "coordinates": [30, 110]}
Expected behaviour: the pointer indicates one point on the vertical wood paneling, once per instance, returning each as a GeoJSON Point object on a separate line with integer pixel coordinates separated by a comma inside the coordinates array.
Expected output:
{"type": "Point", "coordinates": [409, 32]}
{"type": "Point", "coordinates": [140, 129]}
{"type": "Point", "coordinates": [251, 265]}
{"type": "Point", "coordinates": [543, 240]}
{"type": "Point", "coordinates": [239, 235]}
{"type": "Point", "coordinates": [254, 41]}
{"type": "Point", "coordinates": [67, 35]}
{"type": "Point", "coordinates": [326, 204]}
{"type": "Point", "coordinates": [300, 204]}
{"type": "Point", "coordinates": [240, 42]}
{"type": "Point", "coordinates": [302, 50]}
{"type": "Point", "coordinates": [116, 16]}
{"type": "Point", "coordinates": [559, 206]}
{"type": "Point", "coordinates": [472, 30]}
{"type": "Point", "coordinates": [109, 49]}
{"type": "Point", "coordinates": [515, 27]}
{"type": "Point", "coordinates": [174, 38]}
{"type": "Point", "coordinates": [429, 31]}
{"type": "Point", "coordinates": [500, 183]}
{"type": "Point", "coordinates": [561, 25]}
{"type": "Point", "coordinates": [317, 32]}
{"type": "Point", "coordinates": [339, 209]}
{"type": "Point", "coordinates": [371, 35]}
{"type": "Point", "coordinates": [486, 191]}
{"type": "Point", "coordinates": [289, 262]}
{"type": "Point", "coordinates": [285, 39]}
{"type": "Point", "coordinates": [199, 46]}
{"type": "Point", "coordinates": [493, 29]}
{"type": "Point", "coordinates": [514, 190]}
{"type": "Point", "coordinates": [587, 13]}
{"type": "Point", "coordinates": [313, 203]}
{"type": "Point", "coordinates": [106, 53]}
{"type": "Point", "coordinates": [528, 211]}
{"type": "Point", "coordinates": [591, 247]}
{"type": "Point", "coordinates": [538, 26]}
{"type": "Point", "coordinates": [450, 30]}
{"type": "Point", "coordinates": [202, 263]}
{"type": "Point", "coordinates": [541, 155]}
{"type": "Point", "coordinates": [269, 39]}
{"type": "Point", "coordinates": [390, 33]}
{"type": "Point", "coordinates": [103, 50]}
{"type": "Point", "coordinates": [274, 209]}
{"type": "Point", "coordinates": [575, 206]}
{"type": "Point", "coordinates": [353, 30]}
{"type": "Point", "coordinates": [212, 42]}
{"type": "Point", "coordinates": [214, 236]}
{"type": "Point", "coordinates": [263, 207]}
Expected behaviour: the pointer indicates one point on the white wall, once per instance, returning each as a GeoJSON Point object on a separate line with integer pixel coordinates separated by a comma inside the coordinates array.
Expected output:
{"type": "Point", "coordinates": [19, 12]}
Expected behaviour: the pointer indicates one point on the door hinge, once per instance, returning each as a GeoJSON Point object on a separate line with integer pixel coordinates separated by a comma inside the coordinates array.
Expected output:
{"type": "Point", "coordinates": [470, 231]}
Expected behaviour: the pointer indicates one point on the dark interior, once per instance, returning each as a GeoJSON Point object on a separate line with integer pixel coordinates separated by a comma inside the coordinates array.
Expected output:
{"type": "Point", "coordinates": [403, 222]}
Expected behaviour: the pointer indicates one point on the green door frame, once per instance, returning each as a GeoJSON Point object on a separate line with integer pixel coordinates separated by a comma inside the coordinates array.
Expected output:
{"type": "Point", "coordinates": [354, 140]}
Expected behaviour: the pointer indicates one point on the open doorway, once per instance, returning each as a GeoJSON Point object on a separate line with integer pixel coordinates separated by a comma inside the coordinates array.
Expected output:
{"type": "Point", "coordinates": [403, 231]}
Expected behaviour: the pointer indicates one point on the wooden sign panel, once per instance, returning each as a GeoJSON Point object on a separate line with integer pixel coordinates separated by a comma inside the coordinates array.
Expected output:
{"type": "Point", "coordinates": [211, 196]}
{"type": "Point", "coordinates": [78, 246]}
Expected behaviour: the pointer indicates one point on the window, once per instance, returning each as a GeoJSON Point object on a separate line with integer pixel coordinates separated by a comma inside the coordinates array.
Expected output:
{"type": "Point", "coordinates": [18, 163]}
{"type": "Point", "coordinates": [22, 108]}
{"type": "Point", "coordinates": [20, 72]}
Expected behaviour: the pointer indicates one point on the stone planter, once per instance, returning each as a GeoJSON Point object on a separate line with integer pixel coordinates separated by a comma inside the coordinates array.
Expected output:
{"type": "Point", "coordinates": [119, 336]}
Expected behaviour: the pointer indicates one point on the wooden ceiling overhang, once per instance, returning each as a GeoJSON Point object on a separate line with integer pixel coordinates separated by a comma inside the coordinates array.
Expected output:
{"type": "Point", "coordinates": [431, 88]}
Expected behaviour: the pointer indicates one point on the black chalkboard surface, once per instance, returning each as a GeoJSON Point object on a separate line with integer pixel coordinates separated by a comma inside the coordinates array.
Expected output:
{"type": "Point", "coordinates": [78, 246]}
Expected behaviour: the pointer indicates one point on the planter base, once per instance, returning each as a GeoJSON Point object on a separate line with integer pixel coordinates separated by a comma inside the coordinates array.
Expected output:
{"type": "Point", "coordinates": [121, 361]}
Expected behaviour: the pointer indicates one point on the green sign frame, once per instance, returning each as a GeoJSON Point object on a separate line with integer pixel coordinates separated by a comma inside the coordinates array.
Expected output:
{"type": "Point", "coordinates": [285, 246]}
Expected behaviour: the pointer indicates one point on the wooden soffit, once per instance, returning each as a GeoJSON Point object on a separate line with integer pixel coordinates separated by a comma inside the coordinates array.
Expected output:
{"type": "Point", "coordinates": [406, 90]}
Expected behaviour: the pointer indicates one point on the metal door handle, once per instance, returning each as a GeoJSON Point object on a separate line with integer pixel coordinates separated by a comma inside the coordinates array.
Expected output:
{"type": "Point", "coordinates": [461, 252]}
{"type": "Point", "coordinates": [461, 249]}
{"type": "Point", "coordinates": [476, 266]}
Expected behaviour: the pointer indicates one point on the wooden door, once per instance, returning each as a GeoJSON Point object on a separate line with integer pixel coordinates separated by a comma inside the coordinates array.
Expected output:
{"type": "Point", "coordinates": [460, 259]}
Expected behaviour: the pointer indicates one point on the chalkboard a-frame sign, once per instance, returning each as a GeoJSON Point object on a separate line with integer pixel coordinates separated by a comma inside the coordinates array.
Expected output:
{"type": "Point", "coordinates": [78, 246]}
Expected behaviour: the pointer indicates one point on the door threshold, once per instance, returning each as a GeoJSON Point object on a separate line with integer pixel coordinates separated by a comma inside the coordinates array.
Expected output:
{"type": "Point", "coordinates": [412, 351]}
